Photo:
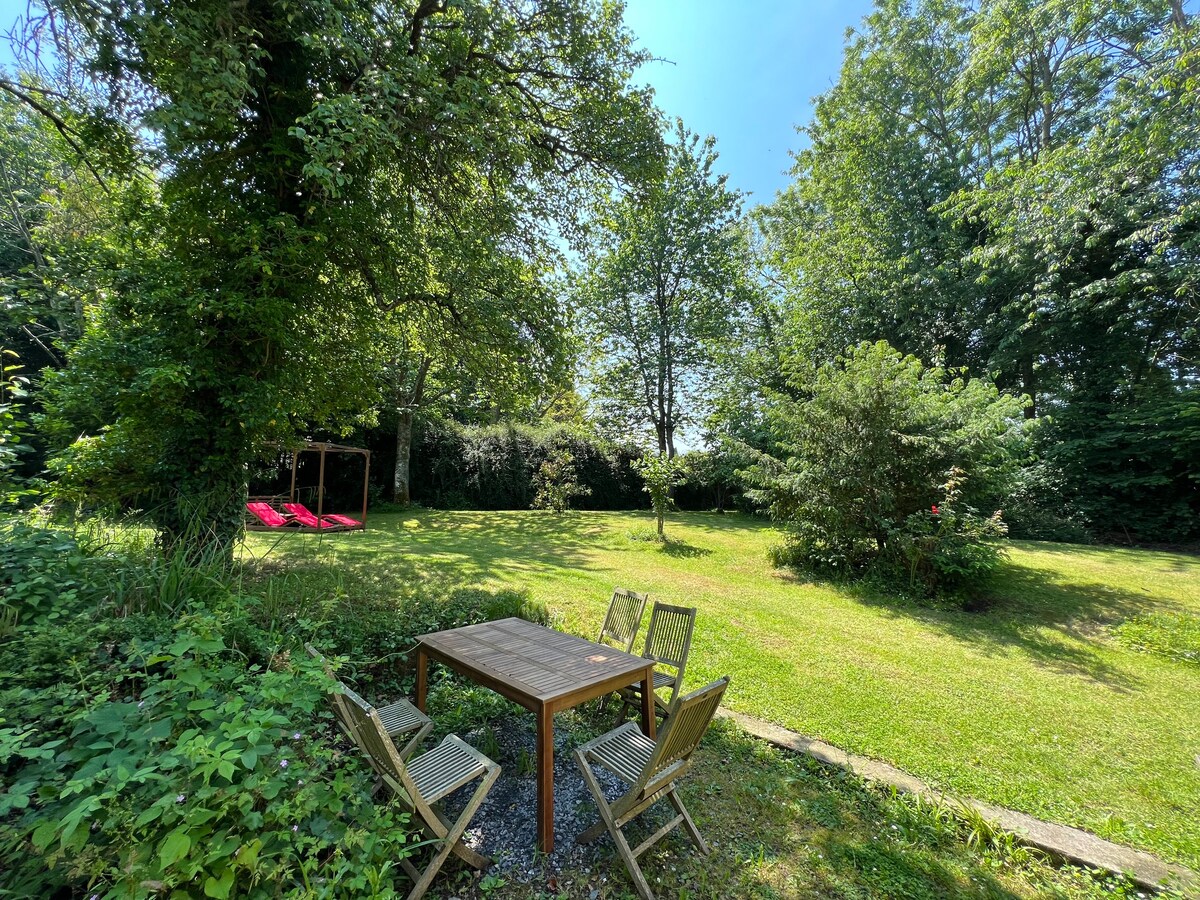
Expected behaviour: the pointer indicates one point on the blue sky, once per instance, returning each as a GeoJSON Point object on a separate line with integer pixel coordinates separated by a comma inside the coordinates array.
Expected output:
{"type": "Point", "coordinates": [746, 72]}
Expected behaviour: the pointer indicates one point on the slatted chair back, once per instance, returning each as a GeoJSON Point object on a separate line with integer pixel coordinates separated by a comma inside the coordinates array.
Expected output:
{"type": "Point", "coordinates": [684, 729]}
{"type": "Point", "coordinates": [623, 618]}
{"type": "Point", "coordinates": [372, 738]}
{"type": "Point", "coordinates": [335, 699]}
{"type": "Point", "coordinates": [669, 637]}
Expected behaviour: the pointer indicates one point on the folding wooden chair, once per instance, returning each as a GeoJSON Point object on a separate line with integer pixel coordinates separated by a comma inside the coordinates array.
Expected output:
{"type": "Point", "coordinates": [623, 619]}
{"type": "Point", "coordinates": [668, 642]}
{"type": "Point", "coordinates": [399, 718]}
{"type": "Point", "coordinates": [419, 785]}
{"type": "Point", "coordinates": [652, 768]}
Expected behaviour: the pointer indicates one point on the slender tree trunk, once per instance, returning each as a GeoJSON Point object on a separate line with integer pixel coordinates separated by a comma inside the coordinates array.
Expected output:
{"type": "Point", "coordinates": [408, 401]}
{"type": "Point", "coordinates": [401, 483]}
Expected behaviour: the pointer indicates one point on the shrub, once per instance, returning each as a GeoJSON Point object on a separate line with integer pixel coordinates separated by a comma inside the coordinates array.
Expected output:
{"type": "Point", "coordinates": [709, 478]}
{"type": "Point", "coordinates": [1128, 464]}
{"type": "Point", "coordinates": [182, 764]}
{"type": "Point", "coordinates": [949, 546]}
{"type": "Point", "coordinates": [14, 431]}
{"type": "Point", "coordinates": [556, 482]}
{"type": "Point", "coordinates": [876, 442]}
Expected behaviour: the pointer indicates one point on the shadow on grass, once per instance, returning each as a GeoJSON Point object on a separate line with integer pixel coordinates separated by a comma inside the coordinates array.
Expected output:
{"type": "Point", "coordinates": [682, 549]}
{"type": "Point", "coordinates": [779, 825]}
{"type": "Point", "coordinates": [1061, 625]}
{"type": "Point", "coordinates": [442, 549]}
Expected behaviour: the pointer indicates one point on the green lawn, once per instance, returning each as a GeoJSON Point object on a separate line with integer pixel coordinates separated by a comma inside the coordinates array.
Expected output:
{"type": "Point", "coordinates": [1033, 704]}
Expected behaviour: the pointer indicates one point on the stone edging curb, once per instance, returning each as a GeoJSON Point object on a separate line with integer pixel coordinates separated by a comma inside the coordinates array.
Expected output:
{"type": "Point", "coordinates": [1072, 844]}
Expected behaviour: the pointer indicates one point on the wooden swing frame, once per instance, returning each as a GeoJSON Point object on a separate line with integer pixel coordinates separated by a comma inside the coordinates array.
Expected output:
{"type": "Point", "coordinates": [324, 448]}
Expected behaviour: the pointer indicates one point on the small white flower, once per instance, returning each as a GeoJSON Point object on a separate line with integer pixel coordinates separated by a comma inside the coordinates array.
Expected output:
{"type": "Point", "coordinates": [181, 798]}
{"type": "Point", "coordinates": [295, 828]}
{"type": "Point", "coordinates": [283, 764]}
{"type": "Point", "coordinates": [297, 736]}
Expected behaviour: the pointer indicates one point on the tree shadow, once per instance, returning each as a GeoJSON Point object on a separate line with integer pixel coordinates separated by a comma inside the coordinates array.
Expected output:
{"type": "Point", "coordinates": [1061, 625]}
{"type": "Point", "coordinates": [778, 824]}
{"type": "Point", "coordinates": [443, 549]}
{"type": "Point", "coordinates": [682, 549]}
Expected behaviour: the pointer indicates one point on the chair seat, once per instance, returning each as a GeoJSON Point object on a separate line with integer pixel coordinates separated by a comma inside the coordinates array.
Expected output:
{"type": "Point", "coordinates": [446, 768]}
{"type": "Point", "coordinates": [661, 680]}
{"type": "Point", "coordinates": [624, 751]}
{"type": "Point", "coordinates": [401, 716]}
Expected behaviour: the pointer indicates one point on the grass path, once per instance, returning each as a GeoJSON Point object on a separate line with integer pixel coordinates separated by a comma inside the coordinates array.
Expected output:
{"type": "Point", "coordinates": [1031, 704]}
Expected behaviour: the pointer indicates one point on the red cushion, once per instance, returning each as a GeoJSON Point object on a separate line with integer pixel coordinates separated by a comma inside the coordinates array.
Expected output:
{"type": "Point", "coordinates": [304, 517]}
{"type": "Point", "coordinates": [265, 514]}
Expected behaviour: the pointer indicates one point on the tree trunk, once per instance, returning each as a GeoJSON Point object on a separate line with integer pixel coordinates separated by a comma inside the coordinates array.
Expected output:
{"type": "Point", "coordinates": [400, 477]}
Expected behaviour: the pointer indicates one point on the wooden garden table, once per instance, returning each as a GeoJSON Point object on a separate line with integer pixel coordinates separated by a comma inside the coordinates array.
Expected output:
{"type": "Point", "coordinates": [544, 671]}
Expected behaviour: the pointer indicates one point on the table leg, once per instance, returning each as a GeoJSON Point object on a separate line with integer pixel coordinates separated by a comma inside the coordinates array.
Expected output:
{"type": "Point", "coordinates": [545, 779]}
{"type": "Point", "coordinates": [422, 666]}
{"type": "Point", "coordinates": [648, 722]}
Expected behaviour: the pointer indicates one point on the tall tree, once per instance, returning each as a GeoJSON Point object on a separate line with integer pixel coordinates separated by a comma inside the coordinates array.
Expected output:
{"type": "Point", "coordinates": [242, 308]}
{"type": "Point", "coordinates": [663, 283]}
{"type": "Point", "coordinates": [1011, 186]}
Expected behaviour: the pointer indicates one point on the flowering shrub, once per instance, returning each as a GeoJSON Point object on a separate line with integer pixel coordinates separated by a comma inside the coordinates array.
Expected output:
{"type": "Point", "coordinates": [858, 477]}
{"type": "Point", "coordinates": [949, 548]}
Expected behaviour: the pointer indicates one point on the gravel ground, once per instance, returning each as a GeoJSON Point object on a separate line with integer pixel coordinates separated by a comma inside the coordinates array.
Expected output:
{"type": "Point", "coordinates": [505, 827]}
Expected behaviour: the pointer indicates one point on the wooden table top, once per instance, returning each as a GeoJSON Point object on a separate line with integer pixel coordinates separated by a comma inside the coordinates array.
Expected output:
{"type": "Point", "coordinates": [538, 662]}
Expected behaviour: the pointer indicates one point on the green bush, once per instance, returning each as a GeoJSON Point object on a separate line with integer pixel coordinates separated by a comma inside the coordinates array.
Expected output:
{"type": "Point", "coordinates": [13, 430]}
{"type": "Point", "coordinates": [709, 478]}
{"type": "Point", "coordinates": [948, 546]}
{"type": "Point", "coordinates": [177, 763]}
{"type": "Point", "coordinates": [874, 443]}
{"type": "Point", "coordinates": [1128, 464]}
{"type": "Point", "coordinates": [556, 482]}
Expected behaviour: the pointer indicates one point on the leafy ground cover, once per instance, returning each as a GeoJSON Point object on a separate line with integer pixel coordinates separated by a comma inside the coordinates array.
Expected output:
{"type": "Point", "coordinates": [1034, 703]}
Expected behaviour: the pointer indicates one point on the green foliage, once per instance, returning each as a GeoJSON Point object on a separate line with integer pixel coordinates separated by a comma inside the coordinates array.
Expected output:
{"type": "Point", "coordinates": [42, 572]}
{"type": "Point", "coordinates": [878, 441]}
{"type": "Point", "coordinates": [1012, 187]}
{"type": "Point", "coordinates": [1175, 635]}
{"type": "Point", "coordinates": [556, 483]}
{"type": "Point", "coordinates": [327, 180]}
{"type": "Point", "coordinates": [708, 479]}
{"type": "Point", "coordinates": [498, 467]}
{"type": "Point", "coordinates": [664, 280]}
{"type": "Point", "coordinates": [13, 430]}
{"type": "Point", "coordinates": [1129, 465]}
{"type": "Point", "coordinates": [949, 547]}
{"type": "Point", "coordinates": [659, 474]}
{"type": "Point", "coordinates": [176, 759]}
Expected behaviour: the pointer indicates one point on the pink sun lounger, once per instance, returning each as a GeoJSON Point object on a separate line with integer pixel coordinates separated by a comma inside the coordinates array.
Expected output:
{"type": "Point", "coordinates": [305, 517]}
{"type": "Point", "coordinates": [268, 516]}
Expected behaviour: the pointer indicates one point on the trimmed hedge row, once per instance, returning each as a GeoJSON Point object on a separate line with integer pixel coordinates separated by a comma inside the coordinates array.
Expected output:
{"type": "Point", "coordinates": [494, 467]}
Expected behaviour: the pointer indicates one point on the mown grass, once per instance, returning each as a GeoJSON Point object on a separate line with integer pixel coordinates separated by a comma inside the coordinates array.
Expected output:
{"type": "Point", "coordinates": [1033, 703]}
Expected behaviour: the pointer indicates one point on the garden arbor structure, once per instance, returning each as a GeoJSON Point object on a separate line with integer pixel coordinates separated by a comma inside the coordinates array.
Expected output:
{"type": "Point", "coordinates": [321, 523]}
